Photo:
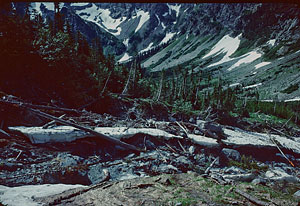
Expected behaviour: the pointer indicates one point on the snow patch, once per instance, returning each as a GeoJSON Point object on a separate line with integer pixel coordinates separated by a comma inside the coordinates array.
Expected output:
{"type": "Point", "coordinates": [176, 8]}
{"type": "Point", "coordinates": [79, 4]}
{"type": "Point", "coordinates": [125, 42]}
{"type": "Point", "coordinates": [144, 17]}
{"type": "Point", "coordinates": [271, 42]}
{"type": "Point", "coordinates": [148, 48]}
{"type": "Point", "coordinates": [292, 100]}
{"type": "Point", "coordinates": [50, 6]}
{"type": "Point", "coordinates": [167, 37]}
{"type": "Point", "coordinates": [247, 58]}
{"type": "Point", "coordinates": [23, 195]}
{"type": "Point", "coordinates": [163, 25]}
{"type": "Point", "coordinates": [227, 45]}
{"type": "Point", "coordinates": [102, 18]}
{"type": "Point", "coordinates": [125, 57]}
{"type": "Point", "coordinates": [262, 64]}
{"type": "Point", "coordinates": [253, 86]}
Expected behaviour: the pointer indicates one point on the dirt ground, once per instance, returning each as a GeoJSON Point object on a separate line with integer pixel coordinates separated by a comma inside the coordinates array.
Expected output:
{"type": "Point", "coordinates": [170, 190]}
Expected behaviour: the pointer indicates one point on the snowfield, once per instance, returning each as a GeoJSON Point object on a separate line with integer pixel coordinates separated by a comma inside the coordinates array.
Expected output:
{"type": "Point", "coordinates": [167, 38]}
{"type": "Point", "coordinates": [175, 8]}
{"type": "Point", "coordinates": [148, 48]}
{"type": "Point", "coordinates": [227, 45]}
{"type": "Point", "coordinates": [262, 64]}
{"type": "Point", "coordinates": [246, 58]}
{"type": "Point", "coordinates": [125, 58]}
{"type": "Point", "coordinates": [144, 17]}
{"type": "Point", "coordinates": [102, 18]}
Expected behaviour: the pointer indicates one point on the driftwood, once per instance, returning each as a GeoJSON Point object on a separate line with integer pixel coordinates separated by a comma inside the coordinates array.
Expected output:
{"type": "Point", "coordinates": [211, 165]}
{"type": "Point", "coordinates": [251, 198]}
{"type": "Point", "coordinates": [86, 129]}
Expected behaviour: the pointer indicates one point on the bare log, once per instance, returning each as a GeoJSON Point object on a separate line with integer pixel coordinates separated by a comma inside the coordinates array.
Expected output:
{"type": "Point", "coordinates": [47, 116]}
{"type": "Point", "coordinates": [251, 198]}
{"type": "Point", "coordinates": [211, 165]}
{"type": "Point", "coordinates": [113, 140]}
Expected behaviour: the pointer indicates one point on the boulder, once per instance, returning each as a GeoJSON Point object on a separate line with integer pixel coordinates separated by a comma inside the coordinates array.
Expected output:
{"type": "Point", "coordinates": [231, 154]}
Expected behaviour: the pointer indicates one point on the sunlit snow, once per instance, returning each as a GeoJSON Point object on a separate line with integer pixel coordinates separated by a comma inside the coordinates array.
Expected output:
{"type": "Point", "coordinates": [227, 45]}
{"type": "Point", "coordinates": [125, 42]}
{"type": "Point", "coordinates": [167, 37]}
{"type": "Point", "coordinates": [253, 86]}
{"type": "Point", "coordinates": [247, 58]}
{"type": "Point", "coordinates": [79, 4]}
{"type": "Point", "coordinates": [262, 64]}
{"type": "Point", "coordinates": [144, 17]}
{"type": "Point", "coordinates": [125, 57]}
{"type": "Point", "coordinates": [148, 47]}
{"type": "Point", "coordinates": [102, 18]}
{"type": "Point", "coordinates": [292, 100]}
{"type": "Point", "coordinates": [163, 25]}
{"type": "Point", "coordinates": [49, 6]}
{"type": "Point", "coordinates": [176, 8]}
{"type": "Point", "coordinates": [23, 195]}
{"type": "Point", "coordinates": [271, 42]}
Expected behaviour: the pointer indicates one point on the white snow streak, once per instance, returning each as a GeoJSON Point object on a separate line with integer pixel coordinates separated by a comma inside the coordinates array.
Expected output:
{"type": "Point", "coordinates": [23, 195]}
{"type": "Point", "coordinates": [292, 100]}
{"type": "Point", "coordinates": [148, 48]}
{"type": "Point", "coordinates": [102, 18]}
{"type": "Point", "coordinates": [176, 8]}
{"type": "Point", "coordinates": [167, 37]}
{"type": "Point", "coordinates": [247, 58]}
{"type": "Point", "coordinates": [253, 86]}
{"type": "Point", "coordinates": [163, 26]}
{"type": "Point", "coordinates": [144, 17]}
{"type": "Point", "coordinates": [271, 42]}
{"type": "Point", "coordinates": [79, 4]}
{"type": "Point", "coordinates": [125, 42]}
{"type": "Point", "coordinates": [50, 6]}
{"type": "Point", "coordinates": [227, 45]}
{"type": "Point", "coordinates": [125, 57]}
{"type": "Point", "coordinates": [262, 64]}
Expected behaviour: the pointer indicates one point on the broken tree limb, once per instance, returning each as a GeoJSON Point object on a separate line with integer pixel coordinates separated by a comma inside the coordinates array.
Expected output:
{"type": "Point", "coordinates": [250, 198]}
{"type": "Point", "coordinates": [52, 122]}
{"type": "Point", "coordinates": [211, 165]}
{"type": "Point", "coordinates": [28, 105]}
{"type": "Point", "coordinates": [113, 140]}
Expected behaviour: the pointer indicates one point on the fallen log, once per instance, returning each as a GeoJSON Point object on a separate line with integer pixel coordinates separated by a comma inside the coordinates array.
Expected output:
{"type": "Point", "coordinates": [251, 198]}
{"type": "Point", "coordinates": [86, 129]}
{"type": "Point", "coordinates": [93, 132]}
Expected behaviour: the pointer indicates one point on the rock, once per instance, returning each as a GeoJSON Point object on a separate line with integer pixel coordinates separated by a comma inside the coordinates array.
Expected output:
{"type": "Point", "coordinates": [281, 176]}
{"type": "Point", "coordinates": [192, 150]}
{"type": "Point", "coordinates": [96, 174]}
{"type": "Point", "coordinates": [234, 170]}
{"type": "Point", "coordinates": [241, 177]}
{"type": "Point", "coordinates": [200, 123]}
{"type": "Point", "coordinates": [66, 160]}
{"type": "Point", "coordinates": [214, 128]}
{"type": "Point", "coordinates": [231, 154]}
{"type": "Point", "coordinates": [297, 194]}
{"type": "Point", "coordinates": [259, 181]}
{"type": "Point", "coordinates": [167, 169]}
